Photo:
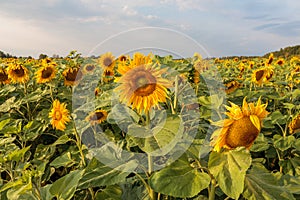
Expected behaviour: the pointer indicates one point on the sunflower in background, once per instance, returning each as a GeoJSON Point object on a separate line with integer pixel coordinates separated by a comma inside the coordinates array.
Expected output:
{"type": "Point", "coordinates": [17, 73]}
{"type": "Point", "coordinates": [270, 59]}
{"type": "Point", "coordinates": [108, 75]}
{"type": "Point", "coordinates": [107, 60]}
{"type": "Point", "coordinates": [96, 117]}
{"type": "Point", "coordinates": [294, 126]}
{"type": "Point", "coordinates": [4, 77]}
{"type": "Point", "coordinates": [231, 86]}
{"type": "Point", "coordinates": [88, 68]}
{"type": "Point", "coordinates": [138, 60]}
{"type": "Point", "coordinates": [47, 71]}
{"type": "Point", "coordinates": [141, 84]}
{"type": "Point", "coordinates": [242, 127]}
{"type": "Point", "coordinates": [72, 76]}
{"type": "Point", "coordinates": [59, 115]}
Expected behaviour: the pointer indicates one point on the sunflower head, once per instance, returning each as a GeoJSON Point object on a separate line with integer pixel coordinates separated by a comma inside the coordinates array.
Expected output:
{"type": "Point", "coordinates": [108, 75]}
{"type": "Point", "coordinates": [280, 61]}
{"type": "Point", "coordinates": [88, 68]}
{"type": "Point", "coordinates": [242, 127]}
{"type": "Point", "coordinates": [72, 76]}
{"type": "Point", "coordinates": [18, 73]}
{"type": "Point", "coordinates": [59, 115]}
{"type": "Point", "coordinates": [138, 60]}
{"type": "Point", "coordinates": [294, 126]}
{"type": "Point", "coordinates": [45, 74]}
{"type": "Point", "coordinates": [231, 86]}
{"type": "Point", "coordinates": [259, 76]}
{"type": "Point", "coordinates": [96, 117]}
{"type": "Point", "coordinates": [4, 77]}
{"type": "Point", "coordinates": [107, 60]}
{"type": "Point", "coordinates": [142, 87]}
{"type": "Point", "coordinates": [270, 59]}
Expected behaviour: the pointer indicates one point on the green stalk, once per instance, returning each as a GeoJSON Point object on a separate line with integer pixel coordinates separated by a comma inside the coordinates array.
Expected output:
{"type": "Point", "coordinates": [78, 143]}
{"type": "Point", "coordinates": [212, 190]}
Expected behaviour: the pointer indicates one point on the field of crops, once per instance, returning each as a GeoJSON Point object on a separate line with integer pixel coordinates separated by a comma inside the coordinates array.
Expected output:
{"type": "Point", "coordinates": [149, 127]}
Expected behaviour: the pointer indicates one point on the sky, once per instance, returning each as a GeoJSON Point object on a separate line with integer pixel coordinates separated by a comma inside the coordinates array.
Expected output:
{"type": "Point", "coordinates": [214, 28]}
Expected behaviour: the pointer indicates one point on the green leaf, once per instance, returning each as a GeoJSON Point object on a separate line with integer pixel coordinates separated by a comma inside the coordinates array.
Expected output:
{"type": "Point", "coordinates": [230, 168]}
{"type": "Point", "coordinates": [8, 104]}
{"type": "Point", "coordinates": [112, 192]}
{"type": "Point", "coordinates": [291, 166]}
{"type": "Point", "coordinates": [261, 184]}
{"type": "Point", "coordinates": [14, 193]}
{"type": "Point", "coordinates": [3, 123]}
{"type": "Point", "coordinates": [179, 179]}
{"type": "Point", "coordinates": [17, 154]}
{"type": "Point", "coordinates": [260, 144]}
{"type": "Point", "coordinates": [65, 187]}
{"type": "Point", "coordinates": [61, 140]}
{"type": "Point", "coordinates": [163, 137]}
{"type": "Point", "coordinates": [45, 192]}
{"type": "Point", "coordinates": [97, 174]}
{"type": "Point", "coordinates": [291, 183]}
{"type": "Point", "coordinates": [283, 143]}
{"type": "Point", "coordinates": [64, 160]}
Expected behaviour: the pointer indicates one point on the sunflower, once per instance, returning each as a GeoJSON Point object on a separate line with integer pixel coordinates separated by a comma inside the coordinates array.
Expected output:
{"type": "Point", "coordinates": [270, 59]}
{"type": "Point", "coordinates": [123, 58]}
{"type": "Point", "coordinates": [72, 76]}
{"type": "Point", "coordinates": [97, 91]}
{"type": "Point", "coordinates": [259, 76]}
{"type": "Point", "coordinates": [96, 117]}
{"type": "Point", "coordinates": [280, 61]}
{"type": "Point", "coordinates": [138, 60]}
{"type": "Point", "coordinates": [4, 77]}
{"type": "Point", "coordinates": [17, 73]}
{"type": "Point", "coordinates": [107, 60]}
{"type": "Point", "coordinates": [59, 115]}
{"type": "Point", "coordinates": [142, 87]}
{"type": "Point", "coordinates": [294, 126]}
{"type": "Point", "coordinates": [231, 86]}
{"type": "Point", "coordinates": [108, 75]}
{"type": "Point", "coordinates": [89, 68]}
{"type": "Point", "coordinates": [45, 74]}
{"type": "Point", "coordinates": [242, 127]}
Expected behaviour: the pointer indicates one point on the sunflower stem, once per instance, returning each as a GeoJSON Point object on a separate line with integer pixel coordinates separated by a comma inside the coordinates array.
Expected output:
{"type": "Point", "coordinates": [212, 190]}
{"type": "Point", "coordinates": [27, 104]}
{"type": "Point", "coordinates": [78, 143]}
{"type": "Point", "coordinates": [176, 92]}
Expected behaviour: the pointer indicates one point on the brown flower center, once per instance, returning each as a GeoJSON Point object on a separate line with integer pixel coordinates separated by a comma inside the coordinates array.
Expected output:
{"type": "Point", "coordinates": [71, 75]}
{"type": "Point", "coordinates": [96, 116]}
{"type": "Point", "coordinates": [46, 73]}
{"type": "Point", "coordinates": [108, 73]}
{"type": "Point", "coordinates": [107, 62]}
{"type": "Point", "coordinates": [259, 74]}
{"type": "Point", "coordinates": [143, 83]}
{"type": "Point", "coordinates": [3, 76]}
{"type": "Point", "coordinates": [90, 67]}
{"type": "Point", "coordinates": [57, 115]}
{"type": "Point", "coordinates": [241, 133]}
{"type": "Point", "coordinates": [19, 72]}
{"type": "Point", "coordinates": [123, 58]}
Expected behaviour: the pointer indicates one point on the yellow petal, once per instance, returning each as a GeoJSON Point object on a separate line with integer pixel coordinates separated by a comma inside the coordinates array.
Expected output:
{"type": "Point", "coordinates": [255, 121]}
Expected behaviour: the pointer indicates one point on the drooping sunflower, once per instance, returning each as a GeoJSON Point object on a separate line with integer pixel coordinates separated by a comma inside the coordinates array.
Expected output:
{"type": "Point", "coordinates": [108, 75]}
{"type": "Point", "coordinates": [59, 115]}
{"type": "Point", "coordinates": [4, 77]}
{"type": "Point", "coordinates": [107, 60]}
{"type": "Point", "coordinates": [45, 74]}
{"type": "Point", "coordinates": [72, 76]}
{"type": "Point", "coordinates": [270, 59]}
{"type": "Point", "coordinates": [17, 73]}
{"type": "Point", "coordinates": [142, 87]}
{"type": "Point", "coordinates": [231, 86]}
{"type": "Point", "coordinates": [96, 117]}
{"type": "Point", "coordinates": [242, 127]}
{"type": "Point", "coordinates": [294, 126]}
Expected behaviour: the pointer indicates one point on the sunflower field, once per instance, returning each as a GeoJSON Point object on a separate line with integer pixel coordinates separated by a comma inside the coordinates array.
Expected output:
{"type": "Point", "coordinates": [149, 127]}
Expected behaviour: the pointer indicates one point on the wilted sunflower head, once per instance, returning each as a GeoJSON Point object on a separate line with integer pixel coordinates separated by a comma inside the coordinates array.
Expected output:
{"type": "Point", "coordinates": [96, 117]}
{"type": "Point", "coordinates": [59, 115]}
{"type": "Point", "coordinates": [72, 76]}
{"type": "Point", "coordinates": [4, 77]}
{"type": "Point", "coordinates": [294, 125]}
{"type": "Point", "coordinates": [242, 127]}
{"type": "Point", "coordinates": [45, 74]}
{"type": "Point", "coordinates": [18, 73]}
{"type": "Point", "coordinates": [143, 87]}
{"type": "Point", "coordinates": [107, 60]}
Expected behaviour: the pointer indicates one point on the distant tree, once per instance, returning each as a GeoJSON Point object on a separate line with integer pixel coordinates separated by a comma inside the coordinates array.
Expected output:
{"type": "Point", "coordinates": [42, 56]}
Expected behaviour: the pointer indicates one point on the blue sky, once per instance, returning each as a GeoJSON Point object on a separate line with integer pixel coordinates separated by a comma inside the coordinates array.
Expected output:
{"type": "Point", "coordinates": [218, 27]}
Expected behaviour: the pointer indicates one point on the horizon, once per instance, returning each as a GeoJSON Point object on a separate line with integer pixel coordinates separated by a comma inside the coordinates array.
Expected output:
{"type": "Point", "coordinates": [220, 28]}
